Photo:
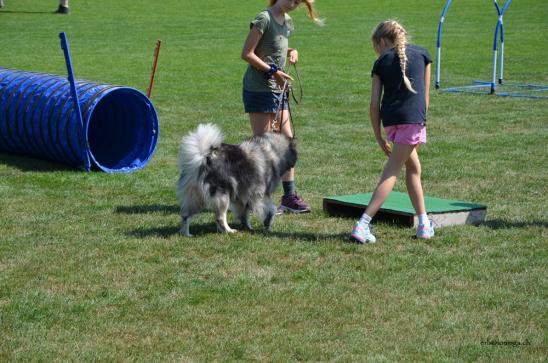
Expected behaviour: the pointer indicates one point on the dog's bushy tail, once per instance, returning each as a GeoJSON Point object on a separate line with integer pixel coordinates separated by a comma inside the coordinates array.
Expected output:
{"type": "Point", "coordinates": [196, 146]}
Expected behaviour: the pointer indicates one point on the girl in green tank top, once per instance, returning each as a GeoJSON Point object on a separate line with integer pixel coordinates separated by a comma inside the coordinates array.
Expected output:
{"type": "Point", "coordinates": [266, 50]}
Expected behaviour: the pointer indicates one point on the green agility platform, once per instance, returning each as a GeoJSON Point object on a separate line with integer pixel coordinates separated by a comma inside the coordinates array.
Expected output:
{"type": "Point", "coordinates": [398, 209]}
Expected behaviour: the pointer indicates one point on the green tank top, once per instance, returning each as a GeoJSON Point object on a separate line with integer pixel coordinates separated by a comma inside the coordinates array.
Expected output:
{"type": "Point", "coordinates": [272, 49]}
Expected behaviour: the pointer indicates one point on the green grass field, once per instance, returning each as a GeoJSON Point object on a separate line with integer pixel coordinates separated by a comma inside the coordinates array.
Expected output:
{"type": "Point", "coordinates": [92, 267]}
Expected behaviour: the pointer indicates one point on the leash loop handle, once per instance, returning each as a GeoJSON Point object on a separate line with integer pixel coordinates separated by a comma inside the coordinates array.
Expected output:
{"type": "Point", "coordinates": [284, 97]}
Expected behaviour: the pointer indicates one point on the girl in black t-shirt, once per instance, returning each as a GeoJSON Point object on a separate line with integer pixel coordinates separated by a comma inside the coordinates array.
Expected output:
{"type": "Point", "coordinates": [401, 74]}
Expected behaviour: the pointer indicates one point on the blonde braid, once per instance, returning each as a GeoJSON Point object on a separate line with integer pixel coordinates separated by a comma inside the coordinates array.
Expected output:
{"type": "Point", "coordinates": [400, 43]}
{"type": "Point", "coordinates": [393, 31]}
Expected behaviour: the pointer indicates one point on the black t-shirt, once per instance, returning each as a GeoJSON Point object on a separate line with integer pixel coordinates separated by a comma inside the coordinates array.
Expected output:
{"type": "Point", "coordinates": [399, 105]}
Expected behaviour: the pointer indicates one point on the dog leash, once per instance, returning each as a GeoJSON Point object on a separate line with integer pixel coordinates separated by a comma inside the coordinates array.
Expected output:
{"type": "Point", "coordinates": [286, 90]}
{"type": "Point", "coordinates": [298, 76]}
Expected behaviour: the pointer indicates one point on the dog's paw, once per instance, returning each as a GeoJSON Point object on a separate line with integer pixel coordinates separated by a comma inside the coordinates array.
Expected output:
{"type": "Point", "coordinates": [269, 220]}
{"type": "Point", "coordinates": [225, 229]}
{"type": "Point", "coordinates": [230, 230]}
{"type": "Point", "coordinates": [246, 225]}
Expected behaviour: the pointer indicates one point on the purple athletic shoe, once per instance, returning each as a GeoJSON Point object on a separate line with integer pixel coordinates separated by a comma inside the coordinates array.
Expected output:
{"type": "Point", "coordinates": [293, 204]}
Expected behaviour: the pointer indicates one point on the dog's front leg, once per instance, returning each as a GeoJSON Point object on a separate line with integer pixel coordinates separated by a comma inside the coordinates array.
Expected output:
{"type": "Point", "coordinates": [185, 226]}
{"type": "Point", "coordinates": [243, 213]}
{"type": "Point", "coordinates": [222, 224]}
{"type": "Point", "coordinates": [245, 217]}
{"type": "Point", "coordinates": [245, 221]}
{"type": "Point", "coordinates": [270, 213]}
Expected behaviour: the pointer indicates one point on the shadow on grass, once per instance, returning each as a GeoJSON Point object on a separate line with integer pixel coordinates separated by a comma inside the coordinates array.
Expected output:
{"type": "Point", "coordinates": [27, 163]}
{"type": "Point", "coordinates": [303, 236]}
{"type": "Point", "coordinates": [25, 12]}
{"type": "Point", "coordinates": [172, 231]}
{"type": "Point", "coordinates": [198, 230]}
{"type": "Point", "coordinates": [204, 229]}
{"type": "Point", "coordinates": [152, 208]}
{"type": "Point", "coordinates": [505, 224]}
{"type": "Point", "coordinates": [211, 228]}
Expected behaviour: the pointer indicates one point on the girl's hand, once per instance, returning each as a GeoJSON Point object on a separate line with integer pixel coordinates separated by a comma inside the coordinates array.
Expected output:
{"type": "Point", "coordinates": [281, 78]}
{"type": "Point", "coordinates": [385, 146]}
{"type": "Point", "coordinates": [293, 56]}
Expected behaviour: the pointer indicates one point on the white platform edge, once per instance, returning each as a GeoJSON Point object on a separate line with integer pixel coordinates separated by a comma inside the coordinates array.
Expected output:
{"type": "Point", "coordinates": [474, 217]}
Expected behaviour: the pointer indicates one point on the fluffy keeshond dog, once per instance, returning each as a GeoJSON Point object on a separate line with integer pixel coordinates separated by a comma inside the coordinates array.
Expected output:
{"type": "Point", "coordinates": [216, 176]}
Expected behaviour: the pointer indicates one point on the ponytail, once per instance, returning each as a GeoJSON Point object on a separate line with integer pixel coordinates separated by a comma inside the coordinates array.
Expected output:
{"type": "Point", "coordinates": [311, 12]}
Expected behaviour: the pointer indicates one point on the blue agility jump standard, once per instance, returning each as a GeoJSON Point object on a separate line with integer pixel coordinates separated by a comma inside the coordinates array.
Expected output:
{"type": "Point", "coordinates": [482, 87]}
{"type": "Point", "coordinates": [82, 124]}
{"type": "Point", "coordinates": [498, 29]}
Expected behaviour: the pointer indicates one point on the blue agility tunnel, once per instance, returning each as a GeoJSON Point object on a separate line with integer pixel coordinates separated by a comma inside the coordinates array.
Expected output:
{"type": "Point", "coordinates": [118, 131]}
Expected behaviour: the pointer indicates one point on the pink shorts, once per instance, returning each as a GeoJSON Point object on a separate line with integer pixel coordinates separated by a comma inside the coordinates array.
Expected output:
{"type": "Point", "coordinates": [408, 134]}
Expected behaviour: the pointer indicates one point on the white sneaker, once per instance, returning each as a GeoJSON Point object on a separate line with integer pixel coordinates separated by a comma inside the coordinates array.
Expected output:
{"type": "Point", "coordinates": [362, 233]}
{"type": "Point", "coordinates": [425, 231]}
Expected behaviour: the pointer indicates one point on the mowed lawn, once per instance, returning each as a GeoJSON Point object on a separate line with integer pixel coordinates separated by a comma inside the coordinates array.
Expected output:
{"type": "Point", "coordinates": [92, 267]}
